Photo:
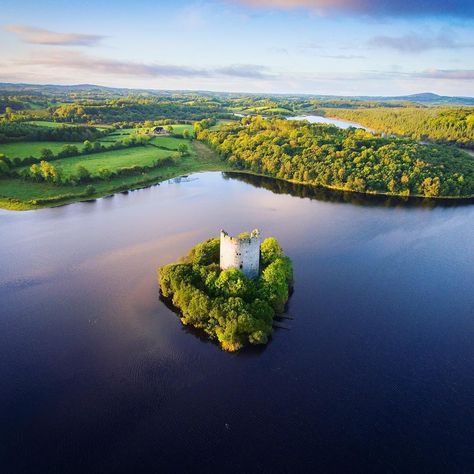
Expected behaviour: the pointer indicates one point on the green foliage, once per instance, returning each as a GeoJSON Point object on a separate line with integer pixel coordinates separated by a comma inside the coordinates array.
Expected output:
{"type": "Point", "coordinates": [45, 172]}
{"type": "Point", "coordinates": [19, 131]}
{"type": "Point", "coordinates": [138, 108]}
{"type": "Point", "coordinates": [228, 306]}
{"type": "Point", "coordinates": [352, 160]}
{"type": "Point", "coordinates": [90, 190]}
{"type": "Point", "coordinates": [270, 250]}
{"type": "Point", "coordinates": [439, 124]}
{"type": "Point", "coordinates": [82, 174]}
{"type": "Point", "coordinates": [4, 166]}
{"type": "Point", "coordinates": [183, 149]}
{"type": "Point", "coordinates": [205, 253]}
{"type": "Point", "coordinates": [276, 278]}
{"type": "Point", "coordinates": [106, 164]}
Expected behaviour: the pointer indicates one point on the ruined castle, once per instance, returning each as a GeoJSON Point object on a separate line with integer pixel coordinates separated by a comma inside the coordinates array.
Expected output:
{"type": "Point", "coordinates": [241, 252]}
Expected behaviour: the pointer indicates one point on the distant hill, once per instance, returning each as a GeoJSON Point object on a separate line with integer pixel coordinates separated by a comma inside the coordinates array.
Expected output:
{"type": "Point", "coordinates": [87, 89]}
{"type": "Point", "coordinates": [430, 98]}
{"type": "Point", "coordinates": [426, 98]}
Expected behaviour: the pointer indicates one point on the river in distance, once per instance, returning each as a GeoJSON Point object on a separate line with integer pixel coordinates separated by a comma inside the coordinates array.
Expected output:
{"type": "Point", "coordinates": [374, 374]}
{"type": "Point", "coordinates": [329, 121]}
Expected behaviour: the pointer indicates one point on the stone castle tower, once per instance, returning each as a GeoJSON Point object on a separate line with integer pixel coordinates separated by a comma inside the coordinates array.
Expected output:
{"type": "Point", "coordinates": [242, 253]}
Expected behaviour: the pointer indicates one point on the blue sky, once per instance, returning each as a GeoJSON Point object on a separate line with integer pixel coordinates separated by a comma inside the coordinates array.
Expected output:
{"type": "Point", "coordinates": [346, 47]}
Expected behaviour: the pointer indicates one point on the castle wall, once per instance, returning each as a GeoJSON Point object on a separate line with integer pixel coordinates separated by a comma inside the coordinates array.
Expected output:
{"type": "Point", "coordinates": [241, 253]}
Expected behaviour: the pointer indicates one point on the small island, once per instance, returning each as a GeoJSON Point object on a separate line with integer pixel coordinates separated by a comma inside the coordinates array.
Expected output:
{"type": "Point", "coordinates": [231, 288]}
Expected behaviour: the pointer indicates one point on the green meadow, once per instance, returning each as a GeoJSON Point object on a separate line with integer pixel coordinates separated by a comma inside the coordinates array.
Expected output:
{"type": "Point", "coordinates": [168, 142]}
{"type": "Point", "coordinates": [179, 128]}
{"type": "Point", "coordinates": [27, 149]}
{"type": "Point", "coordinates": [18, 194]}
{"type": "Point", "coordinates": [46, 123]}
{"type": "Point", "coordinates": [115, 159]}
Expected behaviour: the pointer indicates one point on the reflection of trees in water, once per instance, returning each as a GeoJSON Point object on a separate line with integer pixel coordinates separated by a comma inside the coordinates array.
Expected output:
{"type": "Point", "coordinates": [320, 193]}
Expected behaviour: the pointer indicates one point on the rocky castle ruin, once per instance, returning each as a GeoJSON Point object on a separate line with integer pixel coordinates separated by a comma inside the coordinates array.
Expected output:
{"type": "Point", "coordinates": [241, 252]}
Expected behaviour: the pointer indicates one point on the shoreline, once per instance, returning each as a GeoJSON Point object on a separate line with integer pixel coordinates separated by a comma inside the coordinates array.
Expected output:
{"type": "Point", "coordinates": [148, 183]}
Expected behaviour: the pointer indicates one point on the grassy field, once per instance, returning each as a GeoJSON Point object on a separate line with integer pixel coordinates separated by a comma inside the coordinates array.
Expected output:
{"type": "Point", "coordinates": [180, 128]}
{"type": "Point", "coordinates": [115, 159]}
{"type": "Point", "coordinates": [141, 156]}
{"type": "Point", "coordinates": [16, 194]}
{"type": "Point", "coordinates": [168, 142]}
{"type": "Point", "coordinates": [46, 123]}
{"type": "Point", "coordinates": [118, 135]}
{"type": "Point", "coordinates": [26, 149]}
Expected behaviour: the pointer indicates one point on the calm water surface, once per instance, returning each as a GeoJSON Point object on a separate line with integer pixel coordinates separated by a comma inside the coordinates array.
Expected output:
{"type": "Point", "coordinates": [376, 373]}
{"type": "Point", "coordinates": [328, 120]}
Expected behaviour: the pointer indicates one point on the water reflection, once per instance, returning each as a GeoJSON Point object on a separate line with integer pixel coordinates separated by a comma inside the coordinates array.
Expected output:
{"type": "Point", "coordinates": [330, 195]}
{"type": "Point", "coordinates": [99, 375]}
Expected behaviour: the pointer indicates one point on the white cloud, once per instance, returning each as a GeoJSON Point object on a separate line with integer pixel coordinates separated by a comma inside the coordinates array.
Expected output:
{"type": "Point", "coordinates": [32, 35]}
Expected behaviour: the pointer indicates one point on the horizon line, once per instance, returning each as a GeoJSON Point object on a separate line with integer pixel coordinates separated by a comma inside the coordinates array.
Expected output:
{"type": "Point", "coordinates": [232, 92]}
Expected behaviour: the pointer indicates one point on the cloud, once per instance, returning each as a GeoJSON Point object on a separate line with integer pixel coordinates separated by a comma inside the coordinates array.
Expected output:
{"type": "Point", "coordinates": [76, 60]}
{"type": "Point", "coordinates": [451, 74]}
{"type": "Point", "coordinates": [415, 43]}
{"type": "Point", "coordinates": [249, 71]}
{"type": "Point", "coordinates": [277, 50]}
{"type": "Point", "coordinates": [32, 35]}
{"type": "Point", "coordinates": [343, 56]}
{"type": "Point", "coordinates": [457, 8]}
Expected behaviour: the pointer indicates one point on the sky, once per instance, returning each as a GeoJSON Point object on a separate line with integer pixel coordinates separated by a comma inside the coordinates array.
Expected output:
{"type": "Point", "coordinates": [335, 47]}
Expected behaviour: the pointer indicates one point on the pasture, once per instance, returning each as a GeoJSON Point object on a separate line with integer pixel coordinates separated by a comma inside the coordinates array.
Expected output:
{"type": "Point", "coordinates": [113, 160]}
{"type": "Point", "coordinates": [27, 149]}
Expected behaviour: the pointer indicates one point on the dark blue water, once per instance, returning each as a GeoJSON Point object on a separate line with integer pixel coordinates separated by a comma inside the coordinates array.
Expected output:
{"type": "Point", "coordinates": [376, 373]}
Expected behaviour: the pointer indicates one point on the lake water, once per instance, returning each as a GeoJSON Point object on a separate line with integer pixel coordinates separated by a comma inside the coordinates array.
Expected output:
{"type": "Point", "coordinates": [376, 373]}
{"type": "Point", "coordinates": [330, 121]}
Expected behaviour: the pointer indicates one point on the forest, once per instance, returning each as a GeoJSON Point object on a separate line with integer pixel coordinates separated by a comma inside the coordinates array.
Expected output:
{"type": "Point", "coordinates": [229, 307]}
{"type": "Point", "coordinates": [453, 125]}
{"type": "Point", "coordinates": [349, 160]}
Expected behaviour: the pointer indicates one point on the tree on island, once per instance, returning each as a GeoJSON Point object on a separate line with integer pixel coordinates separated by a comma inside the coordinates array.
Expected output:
{"type": "Point", "coordinates": [225, 304]}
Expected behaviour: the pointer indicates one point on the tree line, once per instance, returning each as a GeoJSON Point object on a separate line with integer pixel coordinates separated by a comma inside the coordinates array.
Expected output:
{"type": "Point", "coordinates": [351, 160]}
{"type": "Point", "coordinates": [11, 132]}
{"type": "Point", "coordinates": [451, 125]}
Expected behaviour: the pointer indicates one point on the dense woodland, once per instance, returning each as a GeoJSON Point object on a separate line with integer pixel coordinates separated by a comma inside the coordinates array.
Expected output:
{"type": "Point", "coordinates": [228, 306]}
{"type": "Point", "coordinates": [440, 124]}
{"type": "Point", "coordinates": [352, 160]}
{"type": "Point", "coordinates": [138, 109]}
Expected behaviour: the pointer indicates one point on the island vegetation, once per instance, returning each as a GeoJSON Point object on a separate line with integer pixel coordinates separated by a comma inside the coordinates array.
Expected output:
{"type": "Point", "coordinates": [349, 160]}
{"type": "Point", "coordinates": [229, 307]}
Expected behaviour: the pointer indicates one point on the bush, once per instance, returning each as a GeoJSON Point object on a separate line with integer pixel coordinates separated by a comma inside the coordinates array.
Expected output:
{"type": "Point", "coordinates": [90, 190]}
